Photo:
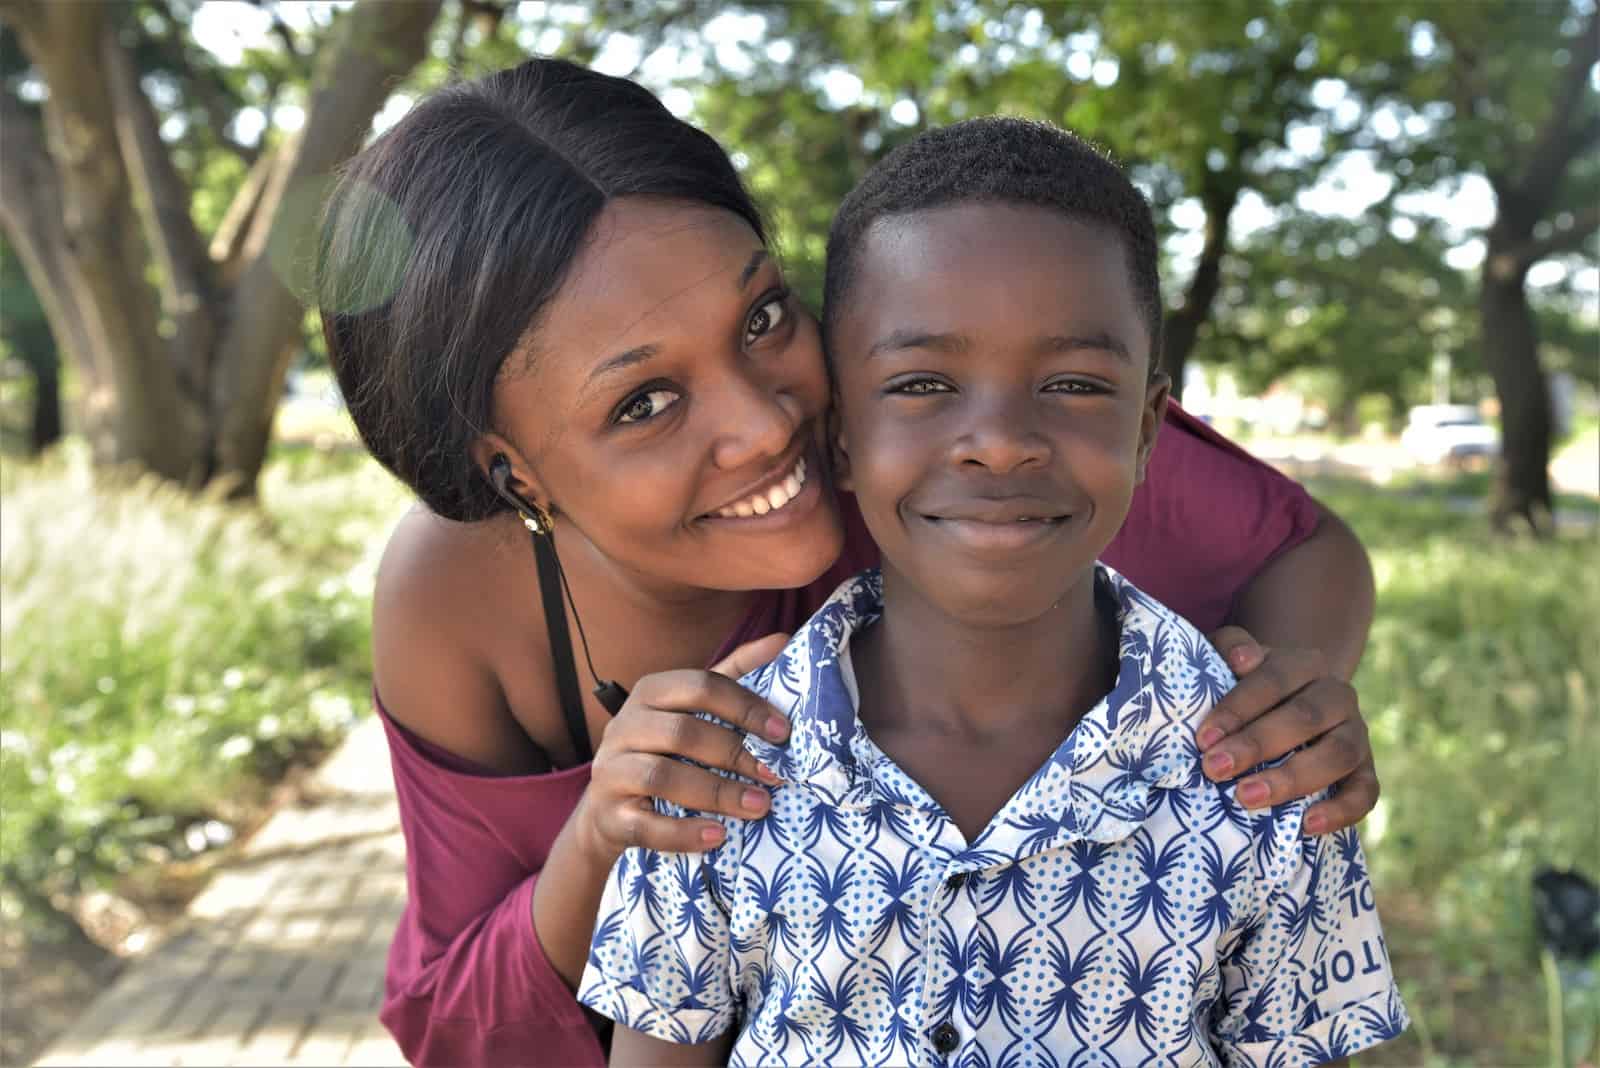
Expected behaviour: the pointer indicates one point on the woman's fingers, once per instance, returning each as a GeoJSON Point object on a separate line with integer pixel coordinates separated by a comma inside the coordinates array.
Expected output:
{"type": "Point", "coordinates": [696, 789]}
{"type": "Point", "coordinates": [718, 695]}
{"type": "Point", "coordinates": [1272, 710]}
{"type": "Point", "coordinates": [1325, 762]}
{"type": "Point", "coordinates": [751, 655]}
{"type": "Point", "coordinates": [1357, 795]}
{"type": "Point", "coordinates": [638, 824]}
{"type": "Point", "coordinates": [676, 734]}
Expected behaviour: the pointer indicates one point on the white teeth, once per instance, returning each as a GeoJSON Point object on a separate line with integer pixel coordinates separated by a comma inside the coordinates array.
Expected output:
{"type": "Point", "coordinates": [772, 499]}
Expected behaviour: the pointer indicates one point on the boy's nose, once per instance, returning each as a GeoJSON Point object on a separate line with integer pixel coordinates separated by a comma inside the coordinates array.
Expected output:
{"type": "Point", "coordinates": [1002, 438]}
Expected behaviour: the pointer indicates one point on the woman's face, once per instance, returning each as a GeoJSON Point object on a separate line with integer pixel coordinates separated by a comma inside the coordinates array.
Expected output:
{"type": "Point", "coordinates": [670, 406]}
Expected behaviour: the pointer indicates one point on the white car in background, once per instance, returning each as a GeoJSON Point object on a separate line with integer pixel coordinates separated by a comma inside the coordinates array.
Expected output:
{"type": "Point", "coordinates": [1448, 433]}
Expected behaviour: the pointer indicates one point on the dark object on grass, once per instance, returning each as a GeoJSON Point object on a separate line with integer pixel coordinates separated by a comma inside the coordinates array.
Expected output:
{"type": "Point", "coordinates": [1567, 907]}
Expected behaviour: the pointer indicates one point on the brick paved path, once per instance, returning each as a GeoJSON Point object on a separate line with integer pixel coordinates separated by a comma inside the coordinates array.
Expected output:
{"type": "Point", "coordinates": [280, 959]}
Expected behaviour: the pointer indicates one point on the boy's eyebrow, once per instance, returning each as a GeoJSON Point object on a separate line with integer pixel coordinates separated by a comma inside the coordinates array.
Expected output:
{"type": "Point", "coordinates": [956, 344]}
{"type": "Point", "coordinates": [1099, 340]}
{"type": "Point", "coordinates": [912, 338]}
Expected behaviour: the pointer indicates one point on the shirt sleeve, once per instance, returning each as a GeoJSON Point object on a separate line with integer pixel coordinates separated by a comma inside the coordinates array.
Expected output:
{"type": "Point", "coordinates": [1308, 979]}
{"type": "Point", "coordinates": [467, 982]}
{"type": "Point", "coordinates": [1205, 521]}
{"type": "Point", "coordinates": [660, 962]}
{"type": "Point", "coordinates": [488, 996]}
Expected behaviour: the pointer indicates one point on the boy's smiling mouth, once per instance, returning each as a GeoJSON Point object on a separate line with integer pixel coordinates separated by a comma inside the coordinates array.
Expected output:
{"type": "Point", "coordinates": [1004, 524]}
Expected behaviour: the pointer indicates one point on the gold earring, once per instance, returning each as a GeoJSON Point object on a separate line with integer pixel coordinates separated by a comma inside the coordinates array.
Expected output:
{"type": "Point", "coordinates": [538, 522]}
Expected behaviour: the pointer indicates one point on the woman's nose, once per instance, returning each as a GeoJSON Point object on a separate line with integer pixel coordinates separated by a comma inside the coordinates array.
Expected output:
{"type": "Point", "coordinates": [760, 421]}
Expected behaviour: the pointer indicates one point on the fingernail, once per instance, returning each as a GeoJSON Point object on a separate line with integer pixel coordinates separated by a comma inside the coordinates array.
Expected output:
{"type": "Point", "coordinates": [754, 800]}
{"type": "Point", "coordinates": [1218, 764]}
{"type": "Point", "coordinates": [711, 835]}
{"type": "Point", "coordinates": [1242, 656]}
{"type": "Point", "coordinates": [1315, 824]}
{"type": "Point", "coordinates": [777, 728]}
{"type": "Point", "coordinates": [1253, 792]}
{"type": "Point", "coordinates": [766, 774]}
{"type": "Point", "coordinates": [1208, 737]}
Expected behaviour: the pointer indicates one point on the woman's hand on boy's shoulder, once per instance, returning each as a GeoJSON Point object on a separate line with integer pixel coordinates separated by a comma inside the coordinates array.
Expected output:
{"type": "Point", "coordinates": [1289, 699]}
{"type": "Point", "coordinates": [645, 754]}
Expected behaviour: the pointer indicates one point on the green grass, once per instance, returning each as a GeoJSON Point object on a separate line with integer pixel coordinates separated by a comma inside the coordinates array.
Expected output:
{"type": "Point", "coordinates": [1480, 685]}
{"type": "Point", "coordinates": [163, 658]}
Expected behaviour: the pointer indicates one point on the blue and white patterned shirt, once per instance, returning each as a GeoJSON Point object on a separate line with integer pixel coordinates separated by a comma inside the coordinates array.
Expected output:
{"type": "Point", "coordinates": [1119, 910]}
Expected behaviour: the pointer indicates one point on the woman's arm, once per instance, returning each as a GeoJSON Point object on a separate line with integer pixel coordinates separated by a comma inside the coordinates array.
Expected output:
{"type": "Point", "coordinates": [1311, 608]}
{"type": "Point", "coordinates": [630, 1047]}
{"type": "Point", "coordinates": [493, 942]}
{"type": "Point", "coordinates": [1318, 594]}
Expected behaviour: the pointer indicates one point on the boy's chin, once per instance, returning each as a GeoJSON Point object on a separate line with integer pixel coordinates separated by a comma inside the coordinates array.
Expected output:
{"type": "Point", "coordinates": [999, 609]}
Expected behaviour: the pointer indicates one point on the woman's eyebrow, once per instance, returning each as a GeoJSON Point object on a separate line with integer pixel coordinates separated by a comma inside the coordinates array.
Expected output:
{"type": "Point", "coordinates": [640, 353]}
{"type": "Point", "coordinates": [621, 362]}
{"type": "Point", "coordinates": [756, 260]}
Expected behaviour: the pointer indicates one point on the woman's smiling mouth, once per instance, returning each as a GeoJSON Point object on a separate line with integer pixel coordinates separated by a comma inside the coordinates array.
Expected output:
{"type": "Point", "coordinates": [775, 497]}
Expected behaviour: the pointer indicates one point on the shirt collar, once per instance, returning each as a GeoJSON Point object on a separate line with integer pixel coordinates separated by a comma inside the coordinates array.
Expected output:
{"type": "Point", "coordinates": [1097, 785]}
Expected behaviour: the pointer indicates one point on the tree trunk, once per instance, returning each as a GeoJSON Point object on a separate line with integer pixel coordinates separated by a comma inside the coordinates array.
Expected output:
{"type": "Point", "coordinates": [379, 43]}
{"type": "Point", "coordinates": [1182, 326]}
{"type": "Point", "coordinates": [45, 428]}
{"type": "Point", "coordinates": [189, 394]}
{"type": "Point", "coordinates": [1511, 348]}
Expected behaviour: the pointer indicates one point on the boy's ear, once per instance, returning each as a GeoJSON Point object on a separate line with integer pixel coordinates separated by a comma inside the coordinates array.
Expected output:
{"type": "Point", "coordinates": [1156, 396]}
{"type": "Point", "coordinates": [838, 450]}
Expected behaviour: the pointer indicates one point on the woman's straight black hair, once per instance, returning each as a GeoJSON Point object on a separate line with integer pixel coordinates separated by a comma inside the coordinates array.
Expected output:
{"type": "Point", "coordinates": [444, 241]}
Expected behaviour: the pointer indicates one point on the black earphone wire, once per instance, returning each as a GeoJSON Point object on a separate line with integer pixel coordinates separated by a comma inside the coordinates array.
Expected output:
{"type": "Point", "coordinates": [583, 639]}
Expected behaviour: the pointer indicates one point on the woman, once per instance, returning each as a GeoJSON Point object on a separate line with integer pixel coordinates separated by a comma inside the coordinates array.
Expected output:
{"type": "Point", "coordinates": [551, 309]}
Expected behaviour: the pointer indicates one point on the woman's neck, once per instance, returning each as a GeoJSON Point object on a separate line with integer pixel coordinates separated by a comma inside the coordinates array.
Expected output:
{"type": "Point", "coordinates": [637, 624]}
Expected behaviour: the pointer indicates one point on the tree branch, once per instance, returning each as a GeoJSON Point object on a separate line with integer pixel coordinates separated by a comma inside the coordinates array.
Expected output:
{"type": "Point", "coordinates": [30, 211]}
{"type": "Point", "coordinates": [163, 200]}
{"type": "Point", "coordinates": [1570, 239]}
{"type": "Point", "coordinates": [1557, 143]}
{"type": "Point", "coordinates": [377, 43]}
{"type": "Point", "coordinates": [227, 244]}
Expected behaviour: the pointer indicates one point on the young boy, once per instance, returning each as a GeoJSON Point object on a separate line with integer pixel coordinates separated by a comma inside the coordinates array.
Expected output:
{"type": "Point", "coordinates": [994, 844]}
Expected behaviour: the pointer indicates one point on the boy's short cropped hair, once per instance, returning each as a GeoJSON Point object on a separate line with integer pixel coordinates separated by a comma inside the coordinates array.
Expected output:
{"type": "Point", "coordinates": [1004, 160]}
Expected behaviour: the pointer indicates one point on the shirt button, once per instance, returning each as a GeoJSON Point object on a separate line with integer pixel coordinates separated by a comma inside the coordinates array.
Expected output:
{"type": "Point", "coordinates": [946, 1038]}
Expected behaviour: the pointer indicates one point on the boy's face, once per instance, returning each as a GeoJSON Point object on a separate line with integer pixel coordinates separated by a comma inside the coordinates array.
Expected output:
{"type": "Point", "coordinates": [995, 404]}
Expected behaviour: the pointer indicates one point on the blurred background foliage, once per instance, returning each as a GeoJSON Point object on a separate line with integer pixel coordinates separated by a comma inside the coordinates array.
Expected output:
{"type": "Point", "coordinates": [1352, 196]}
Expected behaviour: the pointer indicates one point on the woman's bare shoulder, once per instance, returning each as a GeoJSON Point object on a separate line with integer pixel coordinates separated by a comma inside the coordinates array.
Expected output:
{"type": "Point", "coordinates": [441, 608]}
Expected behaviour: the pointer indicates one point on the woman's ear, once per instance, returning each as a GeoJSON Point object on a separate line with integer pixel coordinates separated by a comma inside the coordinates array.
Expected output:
{"type": "Point", "coordinates": [1156, 396]}
{"type": "Point", "coordinates": [523, 482]}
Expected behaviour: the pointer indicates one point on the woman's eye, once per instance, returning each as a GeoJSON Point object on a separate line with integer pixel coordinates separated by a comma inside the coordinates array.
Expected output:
{"type": "Point", "coordinates": [920, 387]}
{"type": "Point", "coordinates": [766, 319]}
{"type": "Point", "coordinates": [647, 406]}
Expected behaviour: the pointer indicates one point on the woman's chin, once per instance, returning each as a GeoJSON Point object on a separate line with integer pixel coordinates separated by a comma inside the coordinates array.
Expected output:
{"type": "Point", "coordinates": [760, 555]}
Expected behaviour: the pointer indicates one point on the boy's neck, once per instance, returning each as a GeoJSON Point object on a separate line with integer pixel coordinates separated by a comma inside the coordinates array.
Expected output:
{"type": "Point", "coordinates": [926, 672]}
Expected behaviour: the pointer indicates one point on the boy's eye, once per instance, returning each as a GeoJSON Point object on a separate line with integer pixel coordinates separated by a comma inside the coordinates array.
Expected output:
{"type": "Point", "coordinates": [1073, 385]}
{"type": "Point", "coordinates": [920, 386]}
{"type": "Point", "coordinates": [767, 318]}
{"type": "Point", "coordinates": [646, 405]}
